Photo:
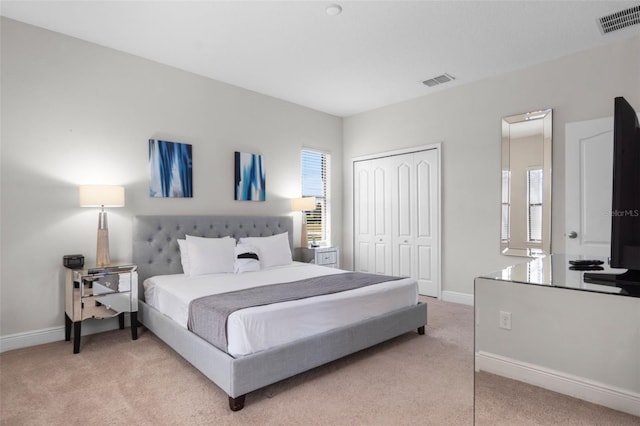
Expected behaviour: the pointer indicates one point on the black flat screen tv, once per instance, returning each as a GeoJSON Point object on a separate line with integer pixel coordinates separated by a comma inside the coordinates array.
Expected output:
{"type": "Point", "coordinates": [625, 206]}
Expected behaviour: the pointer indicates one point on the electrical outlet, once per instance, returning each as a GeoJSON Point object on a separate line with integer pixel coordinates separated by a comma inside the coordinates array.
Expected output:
{"type": "Point", "coordinates": [505, 320]}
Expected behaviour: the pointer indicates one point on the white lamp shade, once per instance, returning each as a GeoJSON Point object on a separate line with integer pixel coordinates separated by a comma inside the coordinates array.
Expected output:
{"type": "Point", "coordinates": [101, 195]}
{"type": "Point", "coordinates": [303, 204]}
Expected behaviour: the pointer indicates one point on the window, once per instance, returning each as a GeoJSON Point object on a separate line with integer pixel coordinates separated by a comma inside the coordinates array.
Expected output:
{"type": "Point", "coordinates": [316, 183]}
{"type": "Point", "coordinates": [506, 187]}
{"type": "Point", "coordinates": [534, 195]}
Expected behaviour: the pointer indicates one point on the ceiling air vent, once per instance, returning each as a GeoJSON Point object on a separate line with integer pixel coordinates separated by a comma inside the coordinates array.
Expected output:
{"type": "Point", "coordinates": [619, 20]}
{"type": "Point", "coordinates": [438, 80]}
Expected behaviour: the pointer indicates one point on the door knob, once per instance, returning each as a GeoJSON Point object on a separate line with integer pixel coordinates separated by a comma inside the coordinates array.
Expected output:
{"type": "Point", "coordinates": [573, 234]}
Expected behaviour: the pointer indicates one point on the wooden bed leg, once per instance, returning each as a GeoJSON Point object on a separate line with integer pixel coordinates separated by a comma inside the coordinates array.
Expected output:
{"type": "Point", "coordinates": [236, 404]}
{"type": "Point", "coordinates": [421, 330]}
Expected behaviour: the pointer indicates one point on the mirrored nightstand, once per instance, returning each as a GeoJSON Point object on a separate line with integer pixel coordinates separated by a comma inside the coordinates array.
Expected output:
{"type": "Point", "coordinates": [99, 293]}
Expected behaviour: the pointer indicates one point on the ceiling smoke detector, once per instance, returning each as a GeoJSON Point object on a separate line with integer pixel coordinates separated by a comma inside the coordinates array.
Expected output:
{"type": "Point", "coordinates": [619, 20]}
{"type": "Point", "coordinates": [444, 78]}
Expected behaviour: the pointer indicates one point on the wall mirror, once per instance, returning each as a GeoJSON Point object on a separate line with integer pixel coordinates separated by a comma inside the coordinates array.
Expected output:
{"type": "Point", "coordinates": [526, 184]}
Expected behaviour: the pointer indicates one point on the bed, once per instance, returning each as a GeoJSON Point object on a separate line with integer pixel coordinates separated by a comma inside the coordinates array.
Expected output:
{"type": "Point", "coordinates": [156, 252]}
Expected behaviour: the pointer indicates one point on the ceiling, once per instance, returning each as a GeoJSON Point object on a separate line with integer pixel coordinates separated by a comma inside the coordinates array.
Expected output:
{"type": "Point", "coordinates": [371, 55]}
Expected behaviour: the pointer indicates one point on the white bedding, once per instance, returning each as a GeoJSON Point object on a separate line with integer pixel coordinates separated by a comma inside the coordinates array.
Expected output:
{"type": "Point", "coordinates": [258, 328]}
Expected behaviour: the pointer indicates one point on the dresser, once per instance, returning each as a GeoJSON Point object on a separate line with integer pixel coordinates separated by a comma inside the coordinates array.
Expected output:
{"type": "Point", "coordinates": [540, 322]}
{"type": "Point", "coordinates": [100, 293]}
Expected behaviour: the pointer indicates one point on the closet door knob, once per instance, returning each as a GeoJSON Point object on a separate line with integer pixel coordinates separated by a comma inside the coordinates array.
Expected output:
{"type": "Point", "coordinates": [573, 235]}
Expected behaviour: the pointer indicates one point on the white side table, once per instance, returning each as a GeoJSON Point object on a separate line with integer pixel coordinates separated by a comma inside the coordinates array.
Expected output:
{"type": "Point", "coordinates": [325, 256]}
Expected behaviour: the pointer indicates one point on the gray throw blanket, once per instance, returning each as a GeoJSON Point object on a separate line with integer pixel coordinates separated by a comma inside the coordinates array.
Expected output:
{"type": "Point", "coordinates": [208, 315]}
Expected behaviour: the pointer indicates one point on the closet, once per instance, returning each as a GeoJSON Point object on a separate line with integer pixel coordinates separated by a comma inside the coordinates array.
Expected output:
{"type": "Point", "coordinates": [397, 216]}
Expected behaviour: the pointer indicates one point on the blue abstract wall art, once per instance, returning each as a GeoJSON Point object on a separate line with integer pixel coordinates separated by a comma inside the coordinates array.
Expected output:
{"type": "Point", "coordinates": [170, 169]}
{"type": "Point", "coordinates": [250, 177]}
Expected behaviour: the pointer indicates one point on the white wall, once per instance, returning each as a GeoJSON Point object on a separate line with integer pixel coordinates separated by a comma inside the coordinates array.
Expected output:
{"type": "Point", "coordinates": [75, 113]}
{"type": "Point", "coordinates": [466, 120]}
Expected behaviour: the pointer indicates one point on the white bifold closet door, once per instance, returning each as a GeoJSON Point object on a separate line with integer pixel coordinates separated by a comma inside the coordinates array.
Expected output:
{"type": "Point", "coordinates": [372, 216]}
{"type": "Point", "coordinates": [396, 207]}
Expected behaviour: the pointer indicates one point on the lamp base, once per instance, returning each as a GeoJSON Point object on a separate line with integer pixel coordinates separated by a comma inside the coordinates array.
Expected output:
{"type": "Point", "coordinates": [304, 242]}
{"type": "Point", "coordinates": [102, 252]}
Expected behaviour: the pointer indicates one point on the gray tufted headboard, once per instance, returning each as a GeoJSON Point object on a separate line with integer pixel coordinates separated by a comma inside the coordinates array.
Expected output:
{"type": "Point", "coordinates": [156, 251]}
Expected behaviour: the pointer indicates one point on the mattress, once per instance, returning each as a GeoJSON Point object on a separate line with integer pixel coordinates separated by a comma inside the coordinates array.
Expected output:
{"type": "Point", "coordinates": [259, 328]}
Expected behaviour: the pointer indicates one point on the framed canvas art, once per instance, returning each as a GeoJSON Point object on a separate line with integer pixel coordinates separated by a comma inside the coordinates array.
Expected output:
{"type": "Point", "coordinates": [250, 177]}
{"type": "Point", "coordinates": [170, 169]}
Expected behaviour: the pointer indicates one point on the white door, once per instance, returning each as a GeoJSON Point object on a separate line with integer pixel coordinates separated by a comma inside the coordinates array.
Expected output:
{"type": "Point", "coordinates": [403, 227]}
{"type": "Point", "coordinates": [426, 166]}
{"type": "Point", "coordinates": [396, 217]}
{"type": "Point", "coordinates": [361, 213]}
{"type": "Point", "coordinates": [372, 211]}
{"type": "Point", "coordinates": [414, 192]}
{"type": "Point", "coordinates": [381, 217]}
{"type": "Point", "coordinates": [588, 187]}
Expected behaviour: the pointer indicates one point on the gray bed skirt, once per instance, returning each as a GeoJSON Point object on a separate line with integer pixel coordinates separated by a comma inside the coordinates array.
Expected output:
{"type": "Point", "coordinates": [239, 376]}
{"type": "Point", "coordinates": [156, 252]}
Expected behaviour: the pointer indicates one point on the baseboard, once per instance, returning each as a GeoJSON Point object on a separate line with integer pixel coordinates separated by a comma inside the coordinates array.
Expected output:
{"type": "Point", "coordinates": [56, 334]}
{"type": "Point", "coordinates": [557, 381]}
{"type": "Point", "coordinates": [455, 297]}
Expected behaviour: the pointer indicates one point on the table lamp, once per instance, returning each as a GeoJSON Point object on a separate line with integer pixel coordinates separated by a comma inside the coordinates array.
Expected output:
{"type": "Point", "coordinates": [303, 205]}
{"type": "Point", "coordinates": [102, 196]}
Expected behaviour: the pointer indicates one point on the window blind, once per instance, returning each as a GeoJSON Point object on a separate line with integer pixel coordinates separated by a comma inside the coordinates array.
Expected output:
{"type": "Point", "coordinates": [535, 192]}
{"type": "Point", "coordinates": [506, 185]}
{"type": "Point", "coordinates": [315, 183]}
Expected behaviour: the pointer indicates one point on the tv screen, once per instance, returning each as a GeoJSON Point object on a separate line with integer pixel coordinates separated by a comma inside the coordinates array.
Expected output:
{"type": "Point", "coordinates": [625, 206]}
{"type": "Point", "coordinates": [625, 212]}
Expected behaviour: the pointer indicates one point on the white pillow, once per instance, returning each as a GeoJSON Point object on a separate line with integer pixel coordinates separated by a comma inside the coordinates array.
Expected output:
{"type": "Point", "coordinates": [210, 255]}
{"type": "Point", "coordinates": [273, 250]}
{"type": "Point", "coordinates": [184, 256]}
{"type": "Point", "coordinates": [247, 259]}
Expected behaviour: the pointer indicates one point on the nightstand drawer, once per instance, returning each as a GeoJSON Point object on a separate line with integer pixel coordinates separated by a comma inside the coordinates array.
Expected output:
{"type": "Point", "coordinates": [326, 257]}
{"type": "Point", "coordinates": [108, 284]}
{"type": "Point", "coordinates": [105, 306]}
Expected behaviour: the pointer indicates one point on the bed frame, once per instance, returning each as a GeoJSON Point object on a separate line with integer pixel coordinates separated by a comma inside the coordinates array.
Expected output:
{"type": "Point", "coordinates": [156, 252]}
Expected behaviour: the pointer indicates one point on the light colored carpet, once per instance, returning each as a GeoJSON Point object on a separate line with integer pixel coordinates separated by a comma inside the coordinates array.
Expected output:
{"type": "Point", "coordinates": [420, 380]}
{"type": "Point", "coordinates": [411, 380]}
{"type": "Point", "coordinates": [503, 402]}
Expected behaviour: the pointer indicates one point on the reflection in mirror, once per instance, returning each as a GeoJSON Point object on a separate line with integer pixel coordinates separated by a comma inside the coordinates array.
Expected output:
{"type": "Point", "coordinates": [526, 184]}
